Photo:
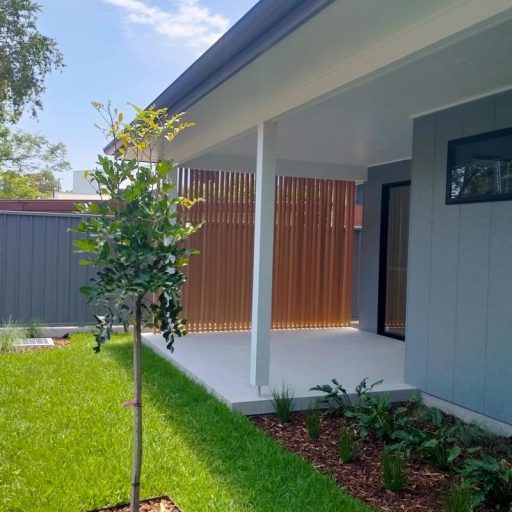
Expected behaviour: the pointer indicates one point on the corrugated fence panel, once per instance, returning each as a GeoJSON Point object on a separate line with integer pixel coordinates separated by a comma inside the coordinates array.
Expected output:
{"type": "Point", "coordinates": [40, 276]}
{"type": "Point", "coordinates": [312, 276]}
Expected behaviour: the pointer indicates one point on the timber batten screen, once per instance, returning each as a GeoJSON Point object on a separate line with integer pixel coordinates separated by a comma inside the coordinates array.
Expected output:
{"type": "Point", "coordinates": [313, 237]}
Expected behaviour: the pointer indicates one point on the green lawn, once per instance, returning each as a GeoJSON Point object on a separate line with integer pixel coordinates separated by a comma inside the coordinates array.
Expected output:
{"type": "Point", "coordinates": [65, 440]}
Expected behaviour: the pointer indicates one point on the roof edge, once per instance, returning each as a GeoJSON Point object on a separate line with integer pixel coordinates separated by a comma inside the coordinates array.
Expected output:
{"type": "Point", "coordinates": [261, 28]}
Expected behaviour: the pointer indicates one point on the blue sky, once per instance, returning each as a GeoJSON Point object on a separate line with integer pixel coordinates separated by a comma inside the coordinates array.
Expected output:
{"type": "Point", "coordinates": [123, 51]}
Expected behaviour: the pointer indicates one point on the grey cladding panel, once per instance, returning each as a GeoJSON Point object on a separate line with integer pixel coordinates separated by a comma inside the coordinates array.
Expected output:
{"type": "Point", "coordinates": [464, 260]}
{"type": "Point", "coordinates": [420, 241]}
{"type": "Point", "coordinates": [443, 272]}
{"type": "Point", "coordinates": [498, 361]}
{"type": "Point", "coordinates": [471, 331]}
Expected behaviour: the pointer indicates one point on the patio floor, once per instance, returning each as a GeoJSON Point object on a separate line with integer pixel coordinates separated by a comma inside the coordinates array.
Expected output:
{"type": "Point", "coordinates": [299, 358]}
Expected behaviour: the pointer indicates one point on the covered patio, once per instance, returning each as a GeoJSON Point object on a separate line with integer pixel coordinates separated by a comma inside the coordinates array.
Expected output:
{"type": "Point", "coordinates": [299, 359]}
{"type": "Point", "coordinates": [325, 95]}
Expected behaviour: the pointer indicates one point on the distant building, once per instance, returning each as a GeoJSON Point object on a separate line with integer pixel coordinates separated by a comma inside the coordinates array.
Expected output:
{"type": "Point", "coordinates": [83, 188]}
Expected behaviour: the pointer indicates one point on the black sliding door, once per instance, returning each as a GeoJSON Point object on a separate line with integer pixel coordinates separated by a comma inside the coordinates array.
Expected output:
{"type": "Point", "coordinates": [393, 259]}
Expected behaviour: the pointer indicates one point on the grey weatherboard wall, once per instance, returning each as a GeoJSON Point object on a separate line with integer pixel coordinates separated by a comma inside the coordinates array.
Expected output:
{"type": "Point", "coordinates": [459, 297]}
{"type": "Point", "coordinates": [40, 276]}
{"type": "Point", "coordinates": [370, 243]}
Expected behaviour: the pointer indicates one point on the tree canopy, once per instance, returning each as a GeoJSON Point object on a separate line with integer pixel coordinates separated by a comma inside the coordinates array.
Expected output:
{"type": "Point", "coordinates": [38, 185]}
{"type": "Point", "coordinates": [26, 58]}
{"type": "Point", "coordinates": [27, 163]}
{"type": "Point", "coordinates": [24, 152]}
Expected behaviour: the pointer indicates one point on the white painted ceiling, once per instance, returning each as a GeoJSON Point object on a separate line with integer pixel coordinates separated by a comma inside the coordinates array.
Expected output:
{"type": "Point", "coordinates": [371, 122]}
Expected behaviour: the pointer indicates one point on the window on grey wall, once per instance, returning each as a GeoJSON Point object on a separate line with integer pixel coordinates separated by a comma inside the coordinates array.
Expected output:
{"type": "Point", "coordinates": [480, 168]}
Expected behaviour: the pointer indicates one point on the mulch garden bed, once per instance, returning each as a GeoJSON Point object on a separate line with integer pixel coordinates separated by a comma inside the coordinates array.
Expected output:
{"type": "Point", "coordinates": [162, 504]}
{"type": "Point", "coordinates": [426, 487]}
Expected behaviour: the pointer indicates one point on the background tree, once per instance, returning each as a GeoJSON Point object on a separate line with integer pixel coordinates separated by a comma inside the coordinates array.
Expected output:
{"type": "Point", "coordinates": [38, 185]}
{"type": "Point", "coordinates": [27, 161]}
{"type": "Point", "coordinates": [27, 164]}
{"type": "Point", "coordinates": [24, 153]}
{"type": "Point", "coordinates": [136, 242]}
{"type": "Point", "coordinates": [26, 58]}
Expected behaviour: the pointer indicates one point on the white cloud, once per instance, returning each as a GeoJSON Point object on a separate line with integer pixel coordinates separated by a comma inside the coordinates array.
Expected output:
{"type": "Point", "coordinates": [188, 22]}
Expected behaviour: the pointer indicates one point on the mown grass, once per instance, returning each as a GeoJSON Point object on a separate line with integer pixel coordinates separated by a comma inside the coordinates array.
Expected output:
{"type": "Point", "coordinates": [65, 440]}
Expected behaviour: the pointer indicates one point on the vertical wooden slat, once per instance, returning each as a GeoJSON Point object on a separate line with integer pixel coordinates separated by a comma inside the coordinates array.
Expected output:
{"type": "Point", "coordinates": [312, 254]}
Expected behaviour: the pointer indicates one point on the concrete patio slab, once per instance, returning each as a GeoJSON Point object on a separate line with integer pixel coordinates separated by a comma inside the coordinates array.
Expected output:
{"type": "Point", "coordinates": [299, 358]}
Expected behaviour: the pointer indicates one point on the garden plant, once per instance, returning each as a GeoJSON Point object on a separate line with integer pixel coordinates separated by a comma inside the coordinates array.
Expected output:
{"type": "Point", "coordinates": [393, 470]}
{"type": "Point", "coordinates": [283, 403]}
{"type": "Point", "coordinates": [135, 240]}
{"type": "Point", "coordinates": [347, 448]}
{"type": "Point", "coordinates": [313, 420]}
{"type": "Point", "coordinates": [452, 466]}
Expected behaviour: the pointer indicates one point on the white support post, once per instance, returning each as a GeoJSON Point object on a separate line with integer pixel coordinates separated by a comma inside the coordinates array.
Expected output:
{"type": "Point", "coordinates": [263, 253]}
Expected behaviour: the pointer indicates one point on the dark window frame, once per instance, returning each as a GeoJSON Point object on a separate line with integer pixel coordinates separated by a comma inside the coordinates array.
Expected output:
{"type": "Point", "coordinates": [452, 146]}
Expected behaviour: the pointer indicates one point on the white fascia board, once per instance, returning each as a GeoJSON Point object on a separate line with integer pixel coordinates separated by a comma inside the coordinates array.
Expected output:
{"type": "Point", "coordinates": [456, 22]}
{"type": "Point", "coordinates": [284, 167]}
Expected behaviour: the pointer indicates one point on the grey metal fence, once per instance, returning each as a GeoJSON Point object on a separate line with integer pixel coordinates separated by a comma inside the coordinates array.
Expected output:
{"type": "Point", "coordinates": [40, 276]}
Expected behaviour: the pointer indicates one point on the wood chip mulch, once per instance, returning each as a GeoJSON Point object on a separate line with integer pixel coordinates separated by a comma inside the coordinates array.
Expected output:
{"type": "Point", "coordinates": [426, 487]}
{"type": "Point", "coordinates": [154, 505]}
{"type": "Point", "coordinates": [61, 342]}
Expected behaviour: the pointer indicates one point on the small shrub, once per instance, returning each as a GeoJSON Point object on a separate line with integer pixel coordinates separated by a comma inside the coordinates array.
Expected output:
{"type": "Point", "coordinates": [10, 333]}
{"type": "Point", "coordinates": [347, 448]}
{"type": "Point", "coordinates": [469, 434]}
{"type": "Point", "coordinates": [374, 415]}
{"type": "Point", "coordinates": [440, 451]}
{"type": "Point", "coordinates": [429, 415]}
{"type": "Point", "coordinates": [363, 390]}
{"type": "Point", "coordinates": [313, 420]}
{"type": "Point", "coordinates": [393, 470]}
{"type": "Point", "coordinates": [336, 396]}
{"type": "Point", "coordinates": [409, 439]}
{"type": "Point", "coordinates": [283, 403]}
{"type": "Point", "coordinates": [491, 478]}
{"type": "Point", "coordinates": [34, 329]}
{"type": "Point", "coordinates": [460, 499]}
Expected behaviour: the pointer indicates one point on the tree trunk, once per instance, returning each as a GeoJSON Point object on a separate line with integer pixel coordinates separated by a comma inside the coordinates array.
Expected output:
{"type": "Point", "coordinates": [137, 408]}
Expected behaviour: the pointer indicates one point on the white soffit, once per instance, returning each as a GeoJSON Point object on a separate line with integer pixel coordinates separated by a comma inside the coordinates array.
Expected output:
{"type": "Point", "coordinates": [314, 80]}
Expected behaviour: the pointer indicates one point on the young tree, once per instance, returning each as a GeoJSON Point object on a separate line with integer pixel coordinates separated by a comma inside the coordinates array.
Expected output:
{"type": "Point", "coordinates": [26, 58]}
{"type": "Point", "coordinates": [136, 241]}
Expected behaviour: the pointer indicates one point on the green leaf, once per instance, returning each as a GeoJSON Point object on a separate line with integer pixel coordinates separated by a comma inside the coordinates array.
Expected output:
{"type": "Point", "coordinates": [85, 245]}
{"type": "Point", "coordinates": [453, 453]}
{"type": "Point", "coordinates": [431, 443]}
{"type": "Point", "coordinates": [105, 250]}
{"type": "Point", "coordinates": [163, 167]}
{"type": "Point", "coordinates": [85, 263]}
{"type": "Point", "coordinates": [94, 208]}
